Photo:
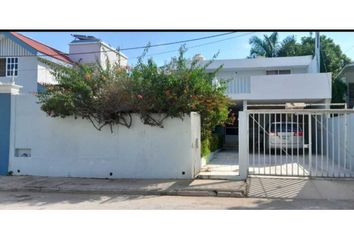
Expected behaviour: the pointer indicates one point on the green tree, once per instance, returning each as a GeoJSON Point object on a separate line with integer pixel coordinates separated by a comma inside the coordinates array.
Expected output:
{"type": "Point", "coordinates": [289, 47]}
{"type": "Point", "coordinates": [267, 47]}
{"type": "Point", "coordinates": [332, 59]}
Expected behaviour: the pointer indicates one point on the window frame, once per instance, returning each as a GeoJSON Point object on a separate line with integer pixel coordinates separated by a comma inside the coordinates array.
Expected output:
{"type": "Point", "coordinates": [277, 72]}
{"type": "Point", "coordinates": [8, 62]}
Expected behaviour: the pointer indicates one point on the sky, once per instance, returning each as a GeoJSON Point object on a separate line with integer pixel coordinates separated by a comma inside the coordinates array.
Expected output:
{"type": "Point", "coordinates": [235, 45]}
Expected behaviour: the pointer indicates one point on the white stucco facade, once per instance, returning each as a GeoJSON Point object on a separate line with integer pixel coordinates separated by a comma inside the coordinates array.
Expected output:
{"type": "Point", "coordinates": [74, 148]}
{"type": "Point", "coordinates": [250, 80]}
{"type": "Point", "coordinates": [284, 88]}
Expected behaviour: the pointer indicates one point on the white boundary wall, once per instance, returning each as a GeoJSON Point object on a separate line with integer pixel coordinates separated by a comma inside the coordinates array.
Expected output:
{"type": "Point", "coordinates": [74, 148]}
{"type": "Point", "coordinates": [339, 150]}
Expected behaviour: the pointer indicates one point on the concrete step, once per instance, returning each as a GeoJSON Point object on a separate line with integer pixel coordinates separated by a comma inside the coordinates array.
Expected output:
{"type": "Point", "coordinates": [218, 175]}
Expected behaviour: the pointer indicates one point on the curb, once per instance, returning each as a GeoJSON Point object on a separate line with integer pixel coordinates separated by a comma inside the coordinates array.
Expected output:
{"type": "Point", "coordinates": [177, 192]}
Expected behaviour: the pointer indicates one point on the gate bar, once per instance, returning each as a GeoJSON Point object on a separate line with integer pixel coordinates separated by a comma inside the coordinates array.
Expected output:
{"type": "Point", "coordinates": [310, 143]}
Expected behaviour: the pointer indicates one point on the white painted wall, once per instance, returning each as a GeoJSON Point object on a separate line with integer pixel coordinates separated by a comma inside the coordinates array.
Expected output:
{"type": "Point", "coordinates": [113, 57]}
{"type": "Point", "coordinates": [84, 52]}
{"type": "Point", "coordinates": [45, 75]}
{"type": "Point", "coordinates": [336, 141]}
{"type": "Point", "coordinates": [92, 52]}
{"type": "Point", "coordinates": [73, 148]}
{"type": "Point", "coordinates": [196, 143]}
{"type": "Point", "coordinates": [312, 68]}
{"type": "Point", "coordinates": [302, 87]}
{"type": "Point", "coordinates": [239, 81]}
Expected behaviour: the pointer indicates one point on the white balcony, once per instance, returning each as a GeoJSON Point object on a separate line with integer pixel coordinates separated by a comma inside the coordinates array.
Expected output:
{"type": "Point", "coordinates": [306, 87]}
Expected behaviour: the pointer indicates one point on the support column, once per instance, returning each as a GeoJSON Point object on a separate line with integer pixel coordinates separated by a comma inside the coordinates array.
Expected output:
{"type": "Point", "coordinates": [243, 144]}
{"type": "Point", "coordinates": [244, 102]}
{"type": "Point", "coordinates": [327, 104]}
{"type": "Point", "coordinates": [6, 94]}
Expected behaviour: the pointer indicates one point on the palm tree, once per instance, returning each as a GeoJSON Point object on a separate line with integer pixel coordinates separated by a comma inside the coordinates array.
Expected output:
{"type": "Point", "coordinates": [267, 47]}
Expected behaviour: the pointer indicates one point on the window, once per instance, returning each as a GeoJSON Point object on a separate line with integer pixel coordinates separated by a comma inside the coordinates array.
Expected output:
{"type": "Point", "coordinates": [272, 72]}
{"type": "Point", "coordinates": [12, 67]}
{"type": "Point", "coordinates": [8, 67]}
{"type": "Point", "coordinates": [284, 71]}
{"type": "Point", "coordinates": [2, 67]}
{"type": "Point", "coordinates": [278, 72]}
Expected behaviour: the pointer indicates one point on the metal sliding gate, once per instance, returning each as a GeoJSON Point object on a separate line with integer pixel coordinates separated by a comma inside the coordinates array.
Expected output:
{"type": "Point", "coordinates": [308, 142]}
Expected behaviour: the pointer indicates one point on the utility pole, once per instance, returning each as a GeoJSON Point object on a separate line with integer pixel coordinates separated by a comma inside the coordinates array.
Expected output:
{"type": "Point", "coordinates": [318, 52]}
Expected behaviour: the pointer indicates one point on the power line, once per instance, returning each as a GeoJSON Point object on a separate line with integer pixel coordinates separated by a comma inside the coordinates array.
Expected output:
{"type": "Point", "coordinates": [178, 42]}
{"type": "Point", "coordinates": [130, 48]}
{"type": "Point", "coordinates": [165, 52]}
{"type": "Point", "coordinates": [195, 46]}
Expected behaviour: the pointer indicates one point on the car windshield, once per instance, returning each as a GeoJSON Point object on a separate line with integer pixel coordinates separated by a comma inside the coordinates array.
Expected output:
{"type": "Point", "coordinates": [285, 127]}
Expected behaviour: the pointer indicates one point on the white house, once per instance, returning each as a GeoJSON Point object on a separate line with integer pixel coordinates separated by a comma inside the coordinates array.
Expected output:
{"type": "Point", "coordinates": [19, 61]}
{"type": "Point", "coordinates": [274, 80]}
{"type": "Point", "coordinates": [271, 81]}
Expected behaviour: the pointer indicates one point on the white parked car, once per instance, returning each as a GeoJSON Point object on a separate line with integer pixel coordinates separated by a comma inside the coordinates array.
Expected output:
{"type": "Point", "coordinates": [285, 135]}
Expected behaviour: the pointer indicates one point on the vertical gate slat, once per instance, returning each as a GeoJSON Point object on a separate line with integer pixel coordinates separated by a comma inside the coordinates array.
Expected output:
{"type": "Point", "coordinates": [332, 131]}
{"type": "Point", "coordinates": [269, 149]}
{"type": "Point", "coordinates": [303, 147]}
{"type": "Point", "coordinates": [339, 148]}
{"type": "Point", "coordinates": [310, 143]}
{"type": "Point", "coordinates": [297, 147]}
{"type": "Point", "coordinates": [264, 155]}
{"type": "Point", "coordinates": [316, 145]}
{"type": "Point", "coordinates": [322, 136]}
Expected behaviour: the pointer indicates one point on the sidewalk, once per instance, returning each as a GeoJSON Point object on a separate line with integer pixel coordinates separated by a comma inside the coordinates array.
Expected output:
{"type": "Point", "coordinates": [220, 188]}
{"type": "Point", "coordinates": [301, 188]}
{"type": "Point", "coordinates": [256, 187]}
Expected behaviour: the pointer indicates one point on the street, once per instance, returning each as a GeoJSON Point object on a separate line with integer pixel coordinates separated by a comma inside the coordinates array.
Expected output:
{"type": "Point", "coordinates": [80, 201]}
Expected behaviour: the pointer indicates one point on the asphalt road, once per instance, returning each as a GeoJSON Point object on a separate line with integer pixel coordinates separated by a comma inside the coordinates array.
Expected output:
{"type": "Point", "coordinates": [67, 201]}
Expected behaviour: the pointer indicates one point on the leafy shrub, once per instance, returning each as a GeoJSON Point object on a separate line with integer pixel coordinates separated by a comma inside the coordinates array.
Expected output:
{"type": "Point", "coordinates": [107, 96]}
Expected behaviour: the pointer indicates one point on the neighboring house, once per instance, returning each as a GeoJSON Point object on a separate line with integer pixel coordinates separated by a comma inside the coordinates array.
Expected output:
{"type": "Point", "coordinates": [88, 49]}
{"type": "Point", "coordinates": [19, 58]}
{"type": "Point", "coordinates": [347, 76]}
